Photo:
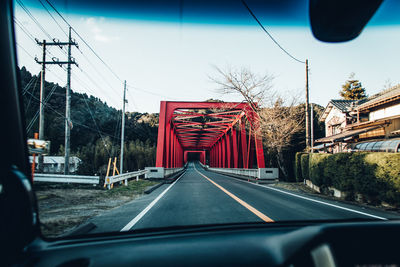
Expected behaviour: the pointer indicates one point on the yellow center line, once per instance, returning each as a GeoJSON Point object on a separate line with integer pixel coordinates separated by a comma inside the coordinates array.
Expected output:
{"type": "Point", "coordinates": [259, 214]}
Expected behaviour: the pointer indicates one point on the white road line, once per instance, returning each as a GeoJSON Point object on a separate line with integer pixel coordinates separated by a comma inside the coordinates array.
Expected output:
{"type": "Point", "coordinates": [143, 212]}
{"type": "Point", "coordinates": [317, 201]}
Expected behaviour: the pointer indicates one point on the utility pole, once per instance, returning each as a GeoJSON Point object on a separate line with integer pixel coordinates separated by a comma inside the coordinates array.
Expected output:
{"type": "Point", "coordinates": [307, 110]}
{"type": "Point", "coordinates": [121, 163]}
{"type": "Point", "coordinates": [41, 104]}
{"type": "Point", "coordinates": [68, 97]}
{"type": "Point", "coordinates": [68, 123]}
{"type": "Point", "coordinates": [312, 126]}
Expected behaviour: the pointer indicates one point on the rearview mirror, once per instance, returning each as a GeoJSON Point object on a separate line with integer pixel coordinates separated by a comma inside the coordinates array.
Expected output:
{"type": "Point", "coordinates": [340, 20]}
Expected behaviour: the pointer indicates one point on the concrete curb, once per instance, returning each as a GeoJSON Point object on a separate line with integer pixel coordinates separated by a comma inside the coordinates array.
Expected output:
{"type": "Point", "coordinates": [168, 180]}
{"type": "Point", "coordinates": [172, 178]}
{"type": "Point", "coordinates": [154, 187]}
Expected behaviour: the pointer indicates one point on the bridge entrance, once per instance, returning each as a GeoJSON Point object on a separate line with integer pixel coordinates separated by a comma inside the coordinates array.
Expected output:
{"type": "Point", "coordinates": [193, 155]}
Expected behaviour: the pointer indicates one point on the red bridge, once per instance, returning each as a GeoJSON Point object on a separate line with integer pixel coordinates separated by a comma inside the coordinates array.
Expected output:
{"type": "Point", "coordinates": [222, 135]}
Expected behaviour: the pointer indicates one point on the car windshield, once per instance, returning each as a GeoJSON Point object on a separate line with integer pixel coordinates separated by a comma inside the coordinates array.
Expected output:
{"type": "Point", "coordinates": [152, 115]}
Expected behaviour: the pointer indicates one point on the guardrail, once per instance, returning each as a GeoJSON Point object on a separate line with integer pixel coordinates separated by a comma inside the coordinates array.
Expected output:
{"type": "Point", "coordinates": [60, 178]}
{"type": "Point", "coordinates": [110, 180]}
{"type": "Point", "coordinates": [258, 174]}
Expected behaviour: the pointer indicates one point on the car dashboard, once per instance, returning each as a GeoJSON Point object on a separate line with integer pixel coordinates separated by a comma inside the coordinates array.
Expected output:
{"type": "Point", "coordinates": [325, 244]}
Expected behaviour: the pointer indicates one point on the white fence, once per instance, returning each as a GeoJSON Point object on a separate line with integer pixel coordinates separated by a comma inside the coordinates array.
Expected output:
{"type": "Point", "coordinates": [109, 181]}
{"type": "Point", "coordinates": [60, 178]}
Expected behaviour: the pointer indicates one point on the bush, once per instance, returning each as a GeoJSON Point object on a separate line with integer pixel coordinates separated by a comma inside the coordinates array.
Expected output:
{"type": "Point", "coordinates": [374, 175]}
{"type": "Point", "coordinates": [305, 166]}
{"type": "Point", "coordinates": [297, 167]}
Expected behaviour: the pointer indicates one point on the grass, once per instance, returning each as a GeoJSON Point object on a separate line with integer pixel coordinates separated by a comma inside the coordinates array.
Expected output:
{"type": "Point", "coordinates": [134, 188]}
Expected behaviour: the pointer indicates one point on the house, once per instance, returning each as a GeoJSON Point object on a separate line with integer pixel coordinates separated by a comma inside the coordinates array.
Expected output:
{"type": "Point", "coordinates": [349, 123]}
{"type": "Point", "coordinates": [55, 164]}
{"type": "Point", "coordinates": [337, 116]}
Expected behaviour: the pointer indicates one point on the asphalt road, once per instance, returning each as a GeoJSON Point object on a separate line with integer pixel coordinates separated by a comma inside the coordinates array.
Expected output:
{"type": "Point", "coordinates": [200, 197]}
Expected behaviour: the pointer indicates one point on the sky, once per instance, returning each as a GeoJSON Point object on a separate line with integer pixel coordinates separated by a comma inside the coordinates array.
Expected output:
{"type": "Point", "coordinates": [174, 61]}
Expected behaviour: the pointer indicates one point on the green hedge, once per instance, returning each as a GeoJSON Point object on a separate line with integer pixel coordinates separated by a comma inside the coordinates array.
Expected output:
{"type": "Point", "coordinates": [297, 166]}
{"type": "Point", "coordinates": [304, 166]}
{"type": "Point", "coordinates": [374, 175]}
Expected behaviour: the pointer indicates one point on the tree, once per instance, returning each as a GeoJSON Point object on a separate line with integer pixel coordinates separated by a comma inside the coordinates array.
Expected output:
{"type": "Point", "coordinates": [279, 118]}
{"type": "Point", "coordinates": [352, 89]}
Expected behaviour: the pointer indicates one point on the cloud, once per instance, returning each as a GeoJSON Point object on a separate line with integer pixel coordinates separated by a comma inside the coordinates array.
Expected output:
{"type": "Point", "coordinates": [98, 33]}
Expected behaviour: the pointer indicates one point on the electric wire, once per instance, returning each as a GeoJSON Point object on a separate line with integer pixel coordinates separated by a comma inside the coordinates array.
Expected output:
{"type": "Point", "coordinates": [28, 85]}
{"type": "Point", "coordinates": [65, 118]}
{"type": "Point", "coordinates": [33, 19]}
{"type": "Point", "coordinates": [35, 117]}
{"type": "Point", "coordinates": [30, 99]}
{"type": "Point", "coordinates": [270, 36]}
{"type": "Point", "coordinates": [97, 127]}
{"type": "Point", "coordinates": [85, 86]}
{"type": "Point", "coordinates": [84, 41]}
{"type": "Point", "coordinates": [40, 1]}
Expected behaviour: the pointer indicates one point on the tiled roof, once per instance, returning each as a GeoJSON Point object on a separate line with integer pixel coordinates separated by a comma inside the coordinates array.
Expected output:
{"type": "Point", "coordinates": [343, 105]}
{"type": "Point", "coordinates": [391, 92]}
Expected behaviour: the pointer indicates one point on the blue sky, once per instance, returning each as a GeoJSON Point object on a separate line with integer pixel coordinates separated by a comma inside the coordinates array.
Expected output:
{"type": "Point", "coordinates": [173, 61]}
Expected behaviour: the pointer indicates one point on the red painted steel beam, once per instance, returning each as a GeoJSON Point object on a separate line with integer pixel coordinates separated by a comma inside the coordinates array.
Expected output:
{"type": "Point", "coordinates": [235, 149]}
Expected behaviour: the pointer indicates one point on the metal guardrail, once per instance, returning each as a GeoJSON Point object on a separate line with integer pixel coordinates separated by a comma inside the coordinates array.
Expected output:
{"type": "Point", "coordinates": [109, 181]}
{"type": "Point", "coordinates": [60, 178]}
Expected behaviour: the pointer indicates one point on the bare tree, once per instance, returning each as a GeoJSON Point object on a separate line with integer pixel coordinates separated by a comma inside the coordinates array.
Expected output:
{"type": "Point", "coordinates": [279, 118]}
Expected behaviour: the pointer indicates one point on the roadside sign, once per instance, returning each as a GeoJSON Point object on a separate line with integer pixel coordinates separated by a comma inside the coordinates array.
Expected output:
{"type": "Point", "coordinates": [36, 146]}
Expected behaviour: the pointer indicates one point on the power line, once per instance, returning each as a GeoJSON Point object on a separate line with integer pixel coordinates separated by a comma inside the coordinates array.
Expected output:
{"type": "Point", "coordinates": [64, 117]}
{"type": "Point", "coordinates": [270, 36]}
{"type": "Point", "coordinates": [53, 18]}
{"type": "Point", "coordinates": [28, 85]}
{"type": "Point", "coordinates": [33, 19]}
{"type": "Point", "coordinates": [84, 41]}
{"type": "Point", "coordinates": [22, 27]}
{"type": "Point", "coordinates": [97, 127]}
{"type": "Point", "coordinates": [30, 99]}
{"type": "Point", "coordinates": [30, 125]}
{"type": "Point", "coordinates": [94, 83]}
{"type": "Point", "coordinates": [97, 71]}
{"type": "Point", "coordinates": [23, 49]}
{"type": "Point", "coordinates": [148, 92]}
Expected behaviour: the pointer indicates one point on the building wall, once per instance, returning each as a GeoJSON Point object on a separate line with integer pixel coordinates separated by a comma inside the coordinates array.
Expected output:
{"type": "Point", "coordinates": [394, 126]}
{"type": "Point", "coordinates": [335, 117]}
{"type": "Point", "coordinates": [384, 112]}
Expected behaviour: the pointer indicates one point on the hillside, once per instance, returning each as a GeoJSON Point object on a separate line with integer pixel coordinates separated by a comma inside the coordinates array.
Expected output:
{"type": "Point", "coordinates": [96, 127]}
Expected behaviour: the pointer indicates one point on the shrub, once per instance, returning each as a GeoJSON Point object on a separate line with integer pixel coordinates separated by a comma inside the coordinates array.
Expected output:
{"type": "Point", "coordinates": [317, 169]}
{"type": "Point", "coordinates": [374, 175]}
{"type": "Point", "coordinates": [305, 166]}
{"type": "Point", "coordinates": [297, 167]}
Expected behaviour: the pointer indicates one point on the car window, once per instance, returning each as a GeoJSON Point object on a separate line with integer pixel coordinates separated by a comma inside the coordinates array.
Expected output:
{"type": "Point", "coordinates": [154, 115]}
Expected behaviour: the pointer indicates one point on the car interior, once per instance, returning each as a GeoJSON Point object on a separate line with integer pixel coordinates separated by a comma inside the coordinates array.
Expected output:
{"type": "Point", "coordinates": [318, 243]}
